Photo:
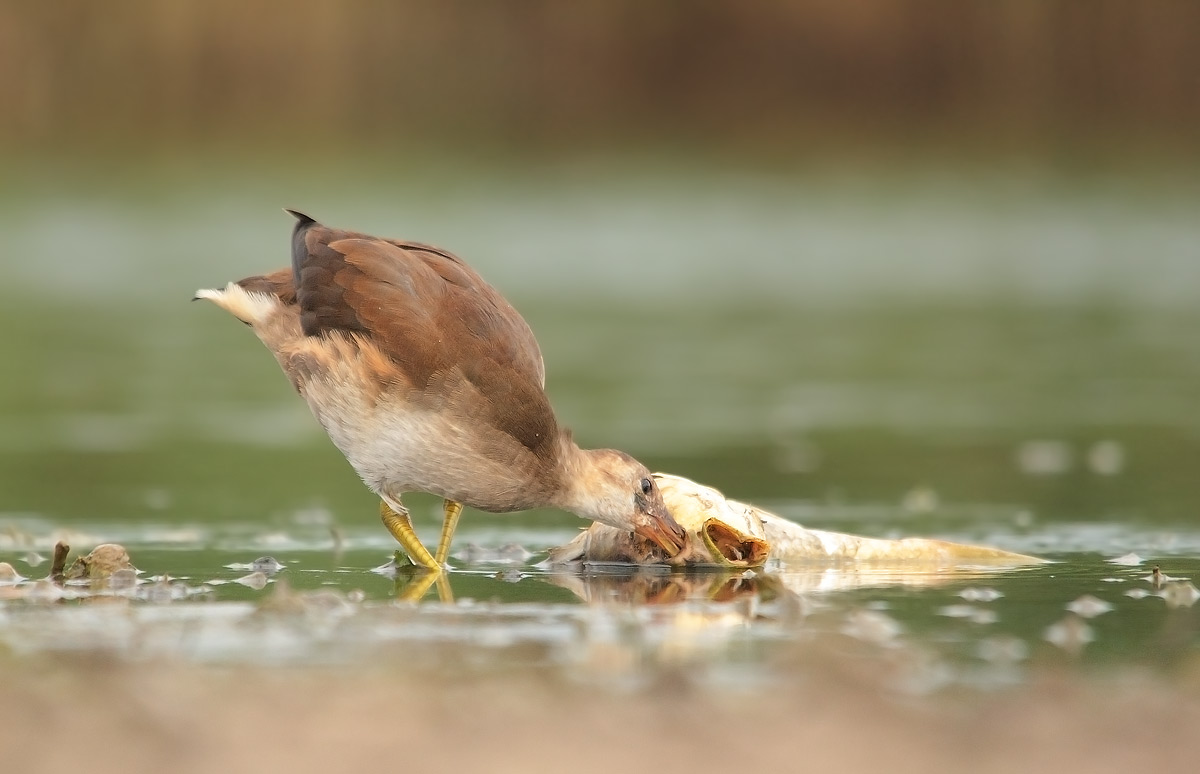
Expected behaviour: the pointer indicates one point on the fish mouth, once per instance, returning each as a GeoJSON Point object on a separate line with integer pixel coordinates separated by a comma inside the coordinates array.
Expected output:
{"type": "Point", "coordinates": [665, 533]}
{"type": "Point", "coordinates": [731, 548]}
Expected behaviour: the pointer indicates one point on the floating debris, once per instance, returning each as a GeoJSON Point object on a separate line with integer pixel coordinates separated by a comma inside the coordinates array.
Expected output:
{"type": "Point", "coordinates": [981, 594]}
{"type": "Point", "coordinates": [1127, 560]}
{"type": "Point", "coordinates": [9, 575]}
{"type": "Point", "coordinates": [1071, 634]}
{"type": "Point", "coordinates": [264, 564]}
{"type": "Point", "coordinates": [1180, 594]}
{"type": "Point", "coordinates": [255, 580]}
{"type": "Point", "coordinates": [511, 575]}
{"type": "Point", "coordinates": [1137, 593]}
{"type": "Point", "coordinates": [103, 561]}
{"type": "Point", "coordinates": [1106, 458]}
{"type": "Point", "coordinates": [393, 567]}
{"type": "Point", "coordinates": [34, 559]}
{"type": "Point", "coordinates": [1088, 606]}
{"type": "Point", "coordinates": [1157, 578]}
{"type": "Point", "coordinates": [59, 562]}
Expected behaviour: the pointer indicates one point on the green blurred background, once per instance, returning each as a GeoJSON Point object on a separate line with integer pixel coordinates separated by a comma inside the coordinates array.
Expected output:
{"type": "Point", "coordinates": [848, 260]}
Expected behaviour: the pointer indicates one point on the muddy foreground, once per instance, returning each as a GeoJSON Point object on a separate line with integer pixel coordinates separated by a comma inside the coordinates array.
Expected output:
{"type": "Point", "coordinates": [99, 716]}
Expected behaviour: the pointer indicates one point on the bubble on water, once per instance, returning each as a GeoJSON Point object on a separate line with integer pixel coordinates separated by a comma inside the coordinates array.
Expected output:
{"type": "Point", "coordinates": [356, 595]}
{"type": "Point", "coordinates": [1127, 560]}
{"type": "Point", "coordinates": [1137, 593]}
{"type": "Point", "coordinates": [1044, 458]}
{"type": "Point", "coordinates": [255, 580]}
{"type": "Point", "coordinates": [1106, 458]}
{"type": "Point", "coordinates": [871, 626]}
{"type": "Point", "coordinates": [1071, 634]}
{"type": "Point", "coordinates": [1003, 650]}
{"type": "Point", "coordinates": [982, 594]}
{"type": "Point", "coordinates": [34, 559]}
{"type": "Point", "coordinates": [9, 575]}
{"type": "Point", "coordinates": [1088, 606]}
{"type": "Point", "coordinates": [1112, 580]}
{"type": "Point", "coordinates": [1180, 594]}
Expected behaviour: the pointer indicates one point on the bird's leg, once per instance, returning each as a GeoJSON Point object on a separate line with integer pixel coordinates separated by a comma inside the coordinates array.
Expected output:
{"type": "Point", "coordinates": [411, 586]}
{"type": "Point", "coordinates": [400, 525]}
{"type": "Point", "coordinates": [413, 583]}
{"type": "Point", "coordinates": [453, 510]}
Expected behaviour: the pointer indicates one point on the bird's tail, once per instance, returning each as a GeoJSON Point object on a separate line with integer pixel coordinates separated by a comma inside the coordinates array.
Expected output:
{"type": "Point", "coordinates": [299, 246]}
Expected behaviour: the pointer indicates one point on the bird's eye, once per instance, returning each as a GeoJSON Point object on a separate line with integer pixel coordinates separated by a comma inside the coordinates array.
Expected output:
{"type": "Point", "coordinates": [647, 487]}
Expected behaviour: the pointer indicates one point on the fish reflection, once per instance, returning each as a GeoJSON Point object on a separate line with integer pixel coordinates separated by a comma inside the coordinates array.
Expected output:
{"type": "Point", "coordinates": [633, 585]}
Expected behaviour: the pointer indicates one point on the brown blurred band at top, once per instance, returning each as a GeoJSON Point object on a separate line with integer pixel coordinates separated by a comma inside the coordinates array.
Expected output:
{"type": "Point", "coordinates": [551, 71]}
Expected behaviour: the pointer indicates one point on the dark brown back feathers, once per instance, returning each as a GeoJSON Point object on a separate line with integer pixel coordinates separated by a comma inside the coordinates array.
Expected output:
{"type": "Point", "coordinates": [457, 345]}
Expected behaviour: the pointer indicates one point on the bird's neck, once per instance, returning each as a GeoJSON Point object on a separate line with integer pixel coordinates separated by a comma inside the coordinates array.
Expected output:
{"type": "Point", "coordinates": [587, 488]}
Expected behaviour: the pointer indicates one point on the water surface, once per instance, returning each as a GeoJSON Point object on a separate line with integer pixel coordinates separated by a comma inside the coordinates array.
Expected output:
{"type": "Point", "coordinates": [992, 359]}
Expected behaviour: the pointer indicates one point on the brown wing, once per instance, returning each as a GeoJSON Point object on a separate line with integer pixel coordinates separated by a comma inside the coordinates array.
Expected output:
{"type": "Point", "coordinates": [279, 283]}
{"type": "Point", "coordinates": [456, 343]}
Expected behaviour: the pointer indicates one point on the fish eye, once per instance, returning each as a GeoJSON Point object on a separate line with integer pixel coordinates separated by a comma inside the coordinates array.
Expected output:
{"type": "Point", "coordinates": [647, 487]}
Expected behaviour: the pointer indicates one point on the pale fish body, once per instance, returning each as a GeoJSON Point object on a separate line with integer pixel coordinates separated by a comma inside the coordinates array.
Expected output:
{"type": "Point", "coordinates": [731, 533]}
{"type": "Point", "coordinates": [719, 531]}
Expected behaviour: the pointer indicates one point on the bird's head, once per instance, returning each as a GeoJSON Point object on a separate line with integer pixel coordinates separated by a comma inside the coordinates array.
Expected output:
{"type": "Point", "coordinates": [615, 489]}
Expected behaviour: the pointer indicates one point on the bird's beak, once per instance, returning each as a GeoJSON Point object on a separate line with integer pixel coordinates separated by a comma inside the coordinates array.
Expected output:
{"type": "Point", "coordinates": [664, 532]}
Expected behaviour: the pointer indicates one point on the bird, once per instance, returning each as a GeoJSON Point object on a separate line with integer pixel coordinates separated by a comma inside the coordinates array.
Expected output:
{"type": "Point", "coordinates": [428, 380]}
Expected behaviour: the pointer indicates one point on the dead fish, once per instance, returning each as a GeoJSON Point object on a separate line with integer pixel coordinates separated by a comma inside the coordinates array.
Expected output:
{"type": "Point", "coordinates": [104, 560]}
{"type": "Point", "coordinates": [733, 534]}
{"type": "Point", "coordinates": [719, 532]}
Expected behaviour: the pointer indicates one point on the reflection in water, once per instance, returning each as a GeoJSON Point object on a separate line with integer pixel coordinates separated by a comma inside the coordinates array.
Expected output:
{"type": "Point", "coordinates": [626, 584]}
{"type": "Point", "coordinates": [637, 586]}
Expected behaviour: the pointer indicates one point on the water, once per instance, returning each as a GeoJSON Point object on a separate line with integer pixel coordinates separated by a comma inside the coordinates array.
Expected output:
{"type": "Point", "coordinates": [993, 359]}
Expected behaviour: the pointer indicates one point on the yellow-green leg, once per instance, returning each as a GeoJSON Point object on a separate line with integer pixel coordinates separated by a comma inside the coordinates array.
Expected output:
{"type": "Point", "coordinates": [400, 525]}
{"type": "Point", "coordinates": [449, 523]}
{"type": "Point", "coordinates": [411, 586]}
